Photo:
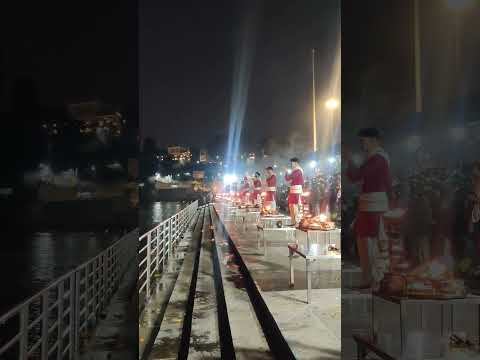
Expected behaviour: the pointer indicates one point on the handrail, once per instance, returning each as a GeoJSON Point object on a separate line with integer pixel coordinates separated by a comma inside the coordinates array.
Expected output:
{"type": "Point", "coordinates": [157, 244]}
{"type": "Point", "coordinates": [55, 320]}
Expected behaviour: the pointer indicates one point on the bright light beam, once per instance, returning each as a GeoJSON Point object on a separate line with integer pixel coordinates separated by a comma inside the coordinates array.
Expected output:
{"type": "Point", "coordinates": [241, 81]}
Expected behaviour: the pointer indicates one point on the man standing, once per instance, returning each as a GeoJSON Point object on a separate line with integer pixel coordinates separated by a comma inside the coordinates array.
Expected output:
{"type": "Point", "coordinates": [257, 189]}
{"type": "Point", "coordinates": [374, 174]}
{"type": "Point", "coordinates": [295, 177]}
{"type": "Point", "coordinates": [244, 187]}
{"type": "Point", "coordinates": [271, 189]}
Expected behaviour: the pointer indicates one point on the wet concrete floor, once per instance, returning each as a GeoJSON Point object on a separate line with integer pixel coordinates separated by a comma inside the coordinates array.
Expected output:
{"type": "Point", "coordinates": [313, 331]}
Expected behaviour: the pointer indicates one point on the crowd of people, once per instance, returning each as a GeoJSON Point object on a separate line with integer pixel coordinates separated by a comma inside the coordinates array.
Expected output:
{"type": "Point", "coordinates": [298, 193]}
{"type": "Point", "coordinates": [441, 217]}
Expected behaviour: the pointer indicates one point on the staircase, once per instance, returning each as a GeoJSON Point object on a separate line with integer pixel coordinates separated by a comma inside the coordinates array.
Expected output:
{"type": "Point", "coordinates": [214, 309]}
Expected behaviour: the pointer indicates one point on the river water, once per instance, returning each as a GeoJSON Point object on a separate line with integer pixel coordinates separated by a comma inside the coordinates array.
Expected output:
{"type": "Point", "coordinates": [31, 260]}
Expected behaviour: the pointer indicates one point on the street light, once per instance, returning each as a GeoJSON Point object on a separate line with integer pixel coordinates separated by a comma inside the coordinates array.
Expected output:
{"type": "Point", "coordinates": [332, 104]}
{"type": "Point", "coordinates": [314, 99]}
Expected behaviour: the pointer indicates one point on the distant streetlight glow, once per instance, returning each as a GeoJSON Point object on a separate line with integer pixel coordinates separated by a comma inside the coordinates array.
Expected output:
{"type": "Point", "coordinates": [229, 179]}
{"type": "Point", "coordinates": [332, 104]}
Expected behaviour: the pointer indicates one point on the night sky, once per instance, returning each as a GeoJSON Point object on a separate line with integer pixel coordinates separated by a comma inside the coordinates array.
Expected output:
{"type": "Point", "coordinates": [71, 51]}
{"type": "Point", "coordinates": [378, 63]}
{"type": "Point", "coordinates": [187, 54]}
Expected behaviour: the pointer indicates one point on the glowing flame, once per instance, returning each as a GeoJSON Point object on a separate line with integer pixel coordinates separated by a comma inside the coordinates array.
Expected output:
{"type": "Point", "coordinates": [322, 217]}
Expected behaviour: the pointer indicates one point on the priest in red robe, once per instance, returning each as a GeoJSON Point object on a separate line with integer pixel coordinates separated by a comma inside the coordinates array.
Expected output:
{"type": "Point", "coordinates": [257, 188]}
{"type": "Point", "coordinates": [270, 198]}
{"type": "Point", "coordinates": [244, 188]}
{"type": "Point", "coordinates": [373, 202]}
{"type": "Point", "coordinates": [296, 180]}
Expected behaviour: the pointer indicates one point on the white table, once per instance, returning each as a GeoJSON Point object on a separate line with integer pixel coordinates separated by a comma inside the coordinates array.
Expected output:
{"type": "Point", "coordinates": [401, 315]}
{"type": "Point", "coordinates": [250, 216]}
{"type": "Point", "coordinates": [288, 231]}
{"type": "Point", "coordinates": [268, 222]}
{"type": "Point", "coordinates": [310, 254]}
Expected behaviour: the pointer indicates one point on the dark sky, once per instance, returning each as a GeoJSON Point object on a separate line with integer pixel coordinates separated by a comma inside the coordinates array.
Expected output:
{"type": "Point", "coordinates": [187, 53]}
{"type": "Point", "coordinates": [72, 51]}
{"type": "Point", "coordinates": [378, 62]}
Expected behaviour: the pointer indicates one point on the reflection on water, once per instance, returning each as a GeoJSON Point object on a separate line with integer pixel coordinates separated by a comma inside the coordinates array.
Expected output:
{"type": "Point", "coordinates": [31, 260]}
{"type": "Point", "coordinates": [155, 213]}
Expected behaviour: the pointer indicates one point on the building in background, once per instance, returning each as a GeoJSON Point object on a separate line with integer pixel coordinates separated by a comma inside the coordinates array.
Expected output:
{"type": "Point", "coordinates": [203, 156]}
{"type": "Point", "coordinates": [93, 117]}
{"type": "Point", "coordinates": [180, 153]}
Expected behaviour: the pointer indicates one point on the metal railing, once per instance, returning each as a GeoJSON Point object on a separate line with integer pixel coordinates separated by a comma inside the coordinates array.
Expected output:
{"type": "Point", "coordinates": [157, 244]}
{"type": "Point", "coordinates": [54, 322]}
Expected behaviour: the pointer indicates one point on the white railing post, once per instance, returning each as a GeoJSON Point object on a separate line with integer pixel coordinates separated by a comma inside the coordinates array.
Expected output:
{"type": "Point", "coordinates": [24, 332]}
{"type": "Point", "coordinates": [163, 226]}
{"type": "Point", "coordinates": [76, 310]}
{"type": "Point", "coordinates": [60, 321]}
{"type": "Point", "coordinates": [106, 291]}
{"type": "Point", "coordinates": [157, 236]}
{"type": "Point", "coordinates": [170, 238]}
{"type": "Point", "coordinates": [149, 246]}
{"type": "Point", "coordinates": [71, 316]}
{"type": "Point", "coordinates": [44, 354]}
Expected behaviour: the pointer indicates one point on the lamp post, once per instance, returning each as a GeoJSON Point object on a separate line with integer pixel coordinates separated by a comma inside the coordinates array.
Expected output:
{"type": "Point", "coordinates": [458, 6]}
{"type": "Point", "coordinates": [418, 65]}
{"type": "Point", "coordinates": [314, 119]}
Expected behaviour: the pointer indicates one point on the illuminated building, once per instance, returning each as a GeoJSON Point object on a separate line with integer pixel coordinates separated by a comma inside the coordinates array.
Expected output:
{"type": "Point", "coordinates": [54, 128]}
{"type": "Point", "coordinates": [94, 116]}
{"type": "Point", "coordinates": [179, 153]}
{"type": "Point", "coordinates": [203, 156]}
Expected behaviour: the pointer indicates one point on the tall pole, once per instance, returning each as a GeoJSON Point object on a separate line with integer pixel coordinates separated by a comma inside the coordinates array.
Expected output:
{"type": "Point", "coordinates": [457, 51]}
{"type": "Point", "coordinates": [418, 61]}
{"type": "Point", "coordinates": [314, 100]}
